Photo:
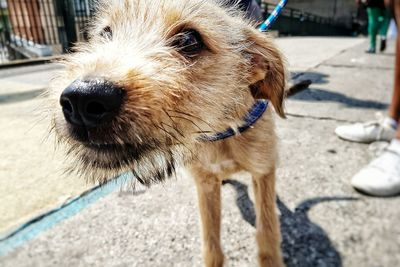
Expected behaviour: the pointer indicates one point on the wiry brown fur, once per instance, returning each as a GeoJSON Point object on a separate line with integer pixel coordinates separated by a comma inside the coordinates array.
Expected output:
{"type": "Point", "coordinates": [171, 100]}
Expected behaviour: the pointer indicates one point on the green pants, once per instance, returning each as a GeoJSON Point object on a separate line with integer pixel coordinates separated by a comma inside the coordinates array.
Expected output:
{"type": "Point", "coordinates": [378, 21]}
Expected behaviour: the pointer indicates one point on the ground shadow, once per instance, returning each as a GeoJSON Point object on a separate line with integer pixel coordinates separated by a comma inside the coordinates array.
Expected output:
{"type": "Point", "coordinates": [304, 243]}
{"type": "Point", "coordinates": [316, 95]}
{"type": "Point", "coordinates": [388, 54]}
{"type": "Point", "coordinates": [302, 80]}
{"type": "Point", "coordinates": [315, 77]}
{"type": "Point", "coordinates": [20, 96]}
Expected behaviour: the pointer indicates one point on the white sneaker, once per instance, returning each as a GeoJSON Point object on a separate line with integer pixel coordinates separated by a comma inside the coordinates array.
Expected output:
{"type": "Point", "coordinates": [382, 176]}
{"type": "Point", "coordinates": [379, 130]}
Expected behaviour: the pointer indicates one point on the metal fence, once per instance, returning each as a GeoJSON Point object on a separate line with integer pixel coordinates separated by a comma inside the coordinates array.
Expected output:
{"type": "Point", "coordinates": [39, 28]}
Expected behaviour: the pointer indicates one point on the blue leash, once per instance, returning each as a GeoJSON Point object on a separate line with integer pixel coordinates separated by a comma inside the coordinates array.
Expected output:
{"type": "Point", "coordinates": [274, 15]}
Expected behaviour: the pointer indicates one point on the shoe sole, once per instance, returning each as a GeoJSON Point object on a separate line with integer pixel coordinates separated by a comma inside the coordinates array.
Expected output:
{"type": "Point", "coordinates": [345, 138]}
{"type": "Point", "coordinates": [355, 140]}
{"type": "Point", "coordinates": [376, 195]}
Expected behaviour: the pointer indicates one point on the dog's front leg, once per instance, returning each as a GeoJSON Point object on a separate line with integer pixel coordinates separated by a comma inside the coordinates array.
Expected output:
{"type": "Point", "coordinates": [268, 235]}
{"type": "Point", "coordinates": [209, 195]}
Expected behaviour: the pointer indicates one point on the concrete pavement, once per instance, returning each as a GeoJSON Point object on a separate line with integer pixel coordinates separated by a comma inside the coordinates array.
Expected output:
{"type": "Point", "coordinates": [324, 221]}
{"type": "Point", "coordinates": [30, 167]}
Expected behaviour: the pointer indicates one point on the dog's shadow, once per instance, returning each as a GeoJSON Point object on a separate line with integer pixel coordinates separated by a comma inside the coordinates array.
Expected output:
{"type": "Point", "coordinates": [304, 243]}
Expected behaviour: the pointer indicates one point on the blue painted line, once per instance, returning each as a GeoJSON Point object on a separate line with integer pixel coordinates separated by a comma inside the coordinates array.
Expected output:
{"type": "Point", "coordinates": [40, 224]}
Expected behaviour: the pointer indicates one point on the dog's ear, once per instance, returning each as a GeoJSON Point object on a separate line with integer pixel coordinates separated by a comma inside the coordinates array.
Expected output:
{"type": "Point", "coordinates": [267, 72]}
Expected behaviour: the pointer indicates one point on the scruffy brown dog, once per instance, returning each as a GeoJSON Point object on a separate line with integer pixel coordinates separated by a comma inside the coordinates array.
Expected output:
{"type": "Point", "coordinates": [156, 81]}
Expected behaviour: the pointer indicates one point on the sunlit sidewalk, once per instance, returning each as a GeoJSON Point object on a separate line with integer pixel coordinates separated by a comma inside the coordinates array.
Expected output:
{"type": "Point", "coordinates": [324, 221]}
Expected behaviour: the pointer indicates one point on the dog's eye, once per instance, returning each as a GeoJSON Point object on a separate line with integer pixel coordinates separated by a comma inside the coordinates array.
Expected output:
{"type": "Point", "coordinates": [106, 33]}
{"type": "Point", "coordinates": [188, 43]}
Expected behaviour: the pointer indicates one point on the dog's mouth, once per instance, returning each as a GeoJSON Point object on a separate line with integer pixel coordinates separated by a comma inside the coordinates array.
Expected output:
{"type": "Point", "coordinates": [101, 155]}
{"type": "Point", "coordinates": [103, 148]}
{"type": "Point", "coordinates": [91, 137]}
{"type": "Point", "coordinates": [123, 154]}
{"type": "Point", "coordinates": [113, 155]}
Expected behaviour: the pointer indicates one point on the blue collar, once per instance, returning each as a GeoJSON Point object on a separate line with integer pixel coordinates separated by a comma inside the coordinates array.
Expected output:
{"type": "Point", "coordinates": [258, 109]}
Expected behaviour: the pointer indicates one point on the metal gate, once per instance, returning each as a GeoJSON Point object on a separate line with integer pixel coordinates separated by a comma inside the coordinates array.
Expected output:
{"type": "Point", "coordinates": [40, 28]}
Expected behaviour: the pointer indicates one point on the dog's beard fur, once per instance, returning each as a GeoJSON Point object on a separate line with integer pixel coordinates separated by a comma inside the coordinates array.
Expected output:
{"type": "Point", "coordinates": [150, 160]}
{"type": "Point", "coordinates": [150, 163]}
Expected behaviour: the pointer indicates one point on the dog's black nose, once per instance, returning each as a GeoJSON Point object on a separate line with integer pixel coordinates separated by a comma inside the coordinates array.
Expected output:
{"type": "Point", "coordinates": [90, 103]}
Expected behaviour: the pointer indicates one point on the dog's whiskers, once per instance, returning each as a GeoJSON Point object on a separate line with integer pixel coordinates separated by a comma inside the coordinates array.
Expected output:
{"type": "Point", "coordinates": [173, 126]}
{"type": "Point", "coordinates": [195, 117]}
{"type": "Point", "coordinates": [173, 136]}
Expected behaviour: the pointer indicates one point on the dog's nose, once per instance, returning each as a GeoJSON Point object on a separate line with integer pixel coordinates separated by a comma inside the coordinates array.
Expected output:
{"type": "Point", "coordinates": [91, 103]}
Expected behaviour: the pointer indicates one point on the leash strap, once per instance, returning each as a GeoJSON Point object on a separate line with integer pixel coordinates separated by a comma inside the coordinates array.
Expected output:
{"type": "Point", "coordinates": [274, 15]}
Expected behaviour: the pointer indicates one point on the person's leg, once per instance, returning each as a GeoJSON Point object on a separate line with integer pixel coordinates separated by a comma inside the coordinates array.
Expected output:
{"type": "Point", "coordinates": [373, 16]}
{"type": "Point", "coordinates": [383, 129]}
{"type": "Point", "coordinates": [395, 105]}
{"type": "Point", "coordinates": [394, 111]}
{"type": "Point", "coordinates": [384, 21]}
{"type": "Point", "coordinates": [382, 176]}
